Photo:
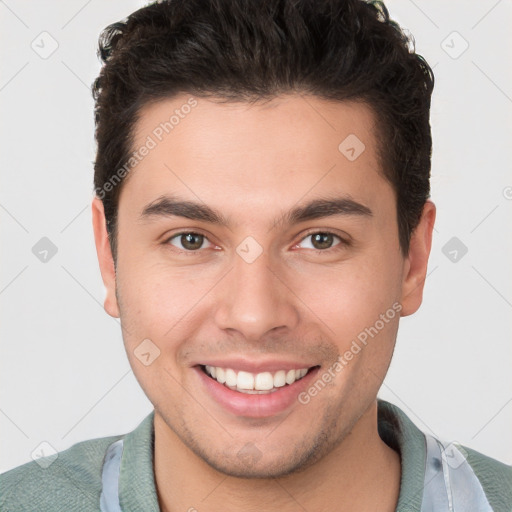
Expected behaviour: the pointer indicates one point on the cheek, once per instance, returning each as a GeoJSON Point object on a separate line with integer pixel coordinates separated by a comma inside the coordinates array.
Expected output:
{"type": "Point", "coordinates": [159, 302]}
{"type": "Point", "coordinates": [353, 295]}
{"type": "Point", "coordinates": [153, 309]}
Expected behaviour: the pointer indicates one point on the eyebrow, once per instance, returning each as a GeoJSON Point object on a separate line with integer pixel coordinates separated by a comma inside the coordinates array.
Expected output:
{"type": "Point", "coordinates": [171, 206]}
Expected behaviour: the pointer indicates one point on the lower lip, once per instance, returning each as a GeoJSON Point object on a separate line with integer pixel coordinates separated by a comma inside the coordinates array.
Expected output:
{"type": "Point", "coordinates": [255, 405]}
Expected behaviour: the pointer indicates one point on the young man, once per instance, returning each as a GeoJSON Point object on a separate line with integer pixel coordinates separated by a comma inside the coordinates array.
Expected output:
{"type": "Point", "coordinates": [262, 220]}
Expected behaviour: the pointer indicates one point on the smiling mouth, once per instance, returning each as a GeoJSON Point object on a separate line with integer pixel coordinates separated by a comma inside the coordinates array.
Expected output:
{"type": "Point", "coordinates": [255, 383]}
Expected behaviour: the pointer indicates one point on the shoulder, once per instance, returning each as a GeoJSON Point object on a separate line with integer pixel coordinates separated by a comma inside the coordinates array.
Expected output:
{"type": "Point", "coordinates": [69, 480]}
{"type": "Point", "coordinates": [494, 476]}
{"type": "Point", "coordinates": [435, 471]}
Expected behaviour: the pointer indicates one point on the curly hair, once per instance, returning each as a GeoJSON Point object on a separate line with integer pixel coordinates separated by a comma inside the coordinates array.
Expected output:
{"type": "Point", "coordinates": [248, 50]}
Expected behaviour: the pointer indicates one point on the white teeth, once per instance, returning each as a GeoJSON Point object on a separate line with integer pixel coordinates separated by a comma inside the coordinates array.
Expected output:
{"type": "Point", "coordinates": [220, 374]}
{"type": "Point", "coordinates": [211, 370]}
{"type": "Point", "coordinates": [290, 377]}
{"type": "Point", "coordinates": [264, 381]}
{"type": "Point", "coordinates": [230, 377]}
{"type": "Point", "coordinates": [246, 382]}
{"type": "Point", "coordinates": [280, 379]}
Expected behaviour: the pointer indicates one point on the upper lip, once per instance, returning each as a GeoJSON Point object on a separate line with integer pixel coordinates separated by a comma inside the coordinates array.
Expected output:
{"type": "Point", "coordinates": [252, 366]}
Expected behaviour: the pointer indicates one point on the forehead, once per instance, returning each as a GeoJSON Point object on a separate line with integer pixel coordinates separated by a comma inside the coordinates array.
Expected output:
{"type": "Point", "coordinates": [241, 156]}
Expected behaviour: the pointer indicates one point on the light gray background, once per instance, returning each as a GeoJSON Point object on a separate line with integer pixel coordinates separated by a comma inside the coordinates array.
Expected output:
{"type": "Point", "coordinates": [64, 373]}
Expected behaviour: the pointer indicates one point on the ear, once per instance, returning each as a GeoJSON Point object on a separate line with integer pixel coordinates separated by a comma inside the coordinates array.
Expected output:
{"type": "Point", "coordinates": [415, 266]}
{"type": "Point", "coordinates": [105, 259]}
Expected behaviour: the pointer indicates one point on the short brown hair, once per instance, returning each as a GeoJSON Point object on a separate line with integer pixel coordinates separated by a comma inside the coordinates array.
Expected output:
{"type": "Point", "coordinates": [249, 50]}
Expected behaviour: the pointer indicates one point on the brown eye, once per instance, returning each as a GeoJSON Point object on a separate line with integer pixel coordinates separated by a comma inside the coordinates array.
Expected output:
{"type": "Point", "coordinates": [322, 240]}
{"type": "Point", "coordinates": [188, 241]}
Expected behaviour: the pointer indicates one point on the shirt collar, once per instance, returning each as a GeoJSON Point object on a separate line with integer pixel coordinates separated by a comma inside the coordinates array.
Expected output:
{"type": "Point", "coordinates": [137, 488]}
{"type": "Point", "coordinates": [401, 434]}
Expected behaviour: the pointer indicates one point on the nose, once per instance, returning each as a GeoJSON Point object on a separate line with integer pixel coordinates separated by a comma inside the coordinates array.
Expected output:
{"type": "Point", "coordinates": [255, 299]}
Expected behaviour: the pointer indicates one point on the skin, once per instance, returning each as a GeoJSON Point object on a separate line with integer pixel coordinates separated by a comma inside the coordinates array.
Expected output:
{"type": "Point", "coordinates": [252, 163]}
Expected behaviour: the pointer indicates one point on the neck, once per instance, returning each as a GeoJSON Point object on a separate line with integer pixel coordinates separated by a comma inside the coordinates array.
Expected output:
{"type": "Point", "coordinates": [362, 473]}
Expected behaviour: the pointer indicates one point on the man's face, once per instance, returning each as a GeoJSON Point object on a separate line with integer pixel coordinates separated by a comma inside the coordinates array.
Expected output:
{"type": "Point", "coordinates": [263, 293]}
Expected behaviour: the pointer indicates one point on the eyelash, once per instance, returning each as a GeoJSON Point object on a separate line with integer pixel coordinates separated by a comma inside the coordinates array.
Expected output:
{"type": "Point", "coordinates": [343, 242]}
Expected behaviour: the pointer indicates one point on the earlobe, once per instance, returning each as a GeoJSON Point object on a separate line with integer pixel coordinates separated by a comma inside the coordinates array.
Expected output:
{"type": "Point", "coordinates": [105, 259]}
{"type": "Point", "coordinates": [415, 266]}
